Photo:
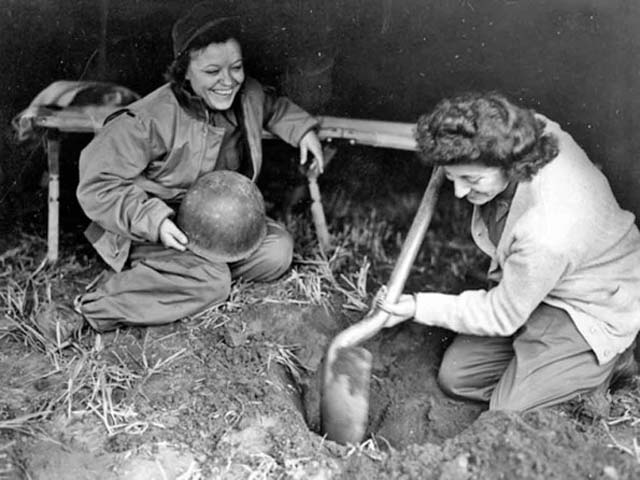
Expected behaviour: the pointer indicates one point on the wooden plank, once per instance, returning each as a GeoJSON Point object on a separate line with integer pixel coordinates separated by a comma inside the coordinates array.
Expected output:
{"type": "Point", "coordinates": [375, 133]}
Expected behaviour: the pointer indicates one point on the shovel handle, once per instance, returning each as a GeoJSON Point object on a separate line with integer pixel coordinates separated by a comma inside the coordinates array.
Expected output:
{"type": "Point", "coordinates": [376, 318]}
{"type": "Point", "coordinates": [413, 241]}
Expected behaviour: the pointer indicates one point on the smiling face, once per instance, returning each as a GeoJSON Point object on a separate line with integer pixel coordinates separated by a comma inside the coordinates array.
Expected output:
{"type": "Point", "coordinates": [216, 73]}
{"type": "Point", "coordinates": [477, 183]}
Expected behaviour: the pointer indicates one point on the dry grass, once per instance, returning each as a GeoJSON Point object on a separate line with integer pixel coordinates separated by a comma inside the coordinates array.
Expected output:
{"type": "Point", "coordinates": [633, 449]}
{"type": "Point", "coordinates": [285, 356]}
{"type": "Point", "coordinates": [92, 384]}
{"type": "Point", "coordinates": [626, 419]}
{"type": "Point", "coordinates": [356, 292]}
{"type": "Point", "coordinates": [369, 233]}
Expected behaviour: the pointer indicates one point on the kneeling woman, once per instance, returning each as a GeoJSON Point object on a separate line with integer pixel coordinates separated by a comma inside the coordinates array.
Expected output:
{"type": "Point", "coordinates": [565, 259]}
{"type": "Point", "coordinates": [136, 172]}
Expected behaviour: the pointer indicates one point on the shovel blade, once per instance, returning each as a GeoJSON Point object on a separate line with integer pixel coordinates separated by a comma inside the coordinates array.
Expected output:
{"type": "Point", "coordinates": [345, 395]}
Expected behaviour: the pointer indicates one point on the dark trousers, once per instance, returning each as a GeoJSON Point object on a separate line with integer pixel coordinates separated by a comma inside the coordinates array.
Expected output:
{"type": "Point", "coordinates": [164, 285]}
{"type": "Point", "coordinates": [545, 363]}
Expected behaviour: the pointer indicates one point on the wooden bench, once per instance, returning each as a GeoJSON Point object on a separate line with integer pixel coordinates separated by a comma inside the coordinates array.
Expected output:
{"type": "Point", "coordinates": [394, 135]}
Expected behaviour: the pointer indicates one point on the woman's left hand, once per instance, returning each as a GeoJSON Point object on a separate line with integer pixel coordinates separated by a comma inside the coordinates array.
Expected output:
{"type": "Point", "coordinates": [311, 143]}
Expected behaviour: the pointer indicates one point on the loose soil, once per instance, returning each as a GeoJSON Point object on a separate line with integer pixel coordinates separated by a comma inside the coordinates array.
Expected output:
{"type": "Point", "coordinates": [229, 406]}
{"type": "Point", "coordinates": [234, 393]}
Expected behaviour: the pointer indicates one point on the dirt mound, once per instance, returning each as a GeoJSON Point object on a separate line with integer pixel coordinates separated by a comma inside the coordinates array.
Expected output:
{"type": "Point", "coordinates": [544, 444]}
{"type": "Point", "coordinates": [236, 395]}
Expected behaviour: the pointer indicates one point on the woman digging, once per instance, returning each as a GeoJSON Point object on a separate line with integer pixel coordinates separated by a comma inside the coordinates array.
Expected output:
{"type": "Point", "coordinates": [134, 176]}
{"type": "Point", "coordinates": [564, 310]}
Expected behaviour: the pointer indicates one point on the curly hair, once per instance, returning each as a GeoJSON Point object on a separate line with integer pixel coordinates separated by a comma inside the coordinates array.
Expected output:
{"type": "Point", "coordinates": [485, 129]}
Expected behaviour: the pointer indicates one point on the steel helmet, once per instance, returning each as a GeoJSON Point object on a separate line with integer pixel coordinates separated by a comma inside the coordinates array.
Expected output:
{"type": "Point", "coordinates": [223, 215]}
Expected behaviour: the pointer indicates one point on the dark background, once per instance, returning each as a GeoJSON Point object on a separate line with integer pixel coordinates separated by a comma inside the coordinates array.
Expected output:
{"type": "Point", "coordinates": [576, 61]}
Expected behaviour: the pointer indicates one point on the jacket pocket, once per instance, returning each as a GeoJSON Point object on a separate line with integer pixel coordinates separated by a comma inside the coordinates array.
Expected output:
{"type": "Point", "coordinates": [113, 248]}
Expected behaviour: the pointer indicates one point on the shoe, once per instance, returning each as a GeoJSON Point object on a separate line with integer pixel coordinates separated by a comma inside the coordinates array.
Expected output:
{"type": "Point", "coordinates": [597, 404]}
{"type": "Point", "coordinates": [58, 323]}
{"type": "Point", "coordinates": [626, 368]}
{"type": "Point", "coordinates": [594, 406]}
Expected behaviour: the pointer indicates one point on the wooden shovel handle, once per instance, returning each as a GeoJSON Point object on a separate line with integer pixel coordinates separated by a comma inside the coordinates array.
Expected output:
{"type": "Point", "coordinates": [413, 241]}
{"type": "Point", "coordinates": [375, 320]}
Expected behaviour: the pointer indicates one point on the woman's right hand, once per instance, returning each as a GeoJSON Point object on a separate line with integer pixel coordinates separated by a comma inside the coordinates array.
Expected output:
{"type": "Point", "coordinates": [404, 309]}
{"type": "Point", "coordinates": [171, 236]}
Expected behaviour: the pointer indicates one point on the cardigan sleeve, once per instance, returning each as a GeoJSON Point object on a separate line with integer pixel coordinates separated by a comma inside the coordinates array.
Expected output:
{"type": "Point", "coordinates": [531, 270]}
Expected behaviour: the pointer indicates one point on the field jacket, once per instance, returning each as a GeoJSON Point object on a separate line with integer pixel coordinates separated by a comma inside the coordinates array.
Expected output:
{"type": "Point", "coordinates": [150, 154]}
{"type": "Point", "coordinates": [567, 243]}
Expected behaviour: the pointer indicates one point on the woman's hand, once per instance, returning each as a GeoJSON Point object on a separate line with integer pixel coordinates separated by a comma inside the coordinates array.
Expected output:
{"type": "Point", "coordinates": [311, 143]}
{"type": "Point", "coordinates": [171, 236]}
{"type": "Point", "coordinates": [404, 309]}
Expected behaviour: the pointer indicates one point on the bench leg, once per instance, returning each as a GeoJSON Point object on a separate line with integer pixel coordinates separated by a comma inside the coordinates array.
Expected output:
{"type": "Point", "coordinates": [53, 228]}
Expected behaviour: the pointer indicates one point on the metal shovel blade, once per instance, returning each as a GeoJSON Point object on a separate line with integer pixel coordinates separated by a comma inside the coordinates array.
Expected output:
{"type": "Point", "coordinates": [345, 399]}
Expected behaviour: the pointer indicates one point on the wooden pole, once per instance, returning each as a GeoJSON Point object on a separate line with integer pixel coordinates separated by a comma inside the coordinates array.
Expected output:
{"type": "Point", "coordinates": [53, 215]}
{"type": "Point", "coordinates": [317, 210]}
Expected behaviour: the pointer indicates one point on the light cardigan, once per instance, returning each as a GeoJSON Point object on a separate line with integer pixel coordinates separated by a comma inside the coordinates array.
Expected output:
{"type": "Point", "coordinates": [567, 243]}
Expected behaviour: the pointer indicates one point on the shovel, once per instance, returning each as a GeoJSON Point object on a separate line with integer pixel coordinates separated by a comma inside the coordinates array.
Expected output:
{"type": "Point", "coordinates": [347, 368]}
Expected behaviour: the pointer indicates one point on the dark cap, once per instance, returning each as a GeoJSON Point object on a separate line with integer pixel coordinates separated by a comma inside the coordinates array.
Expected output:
{"type": "Point", "coordinates": [202, 18]}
